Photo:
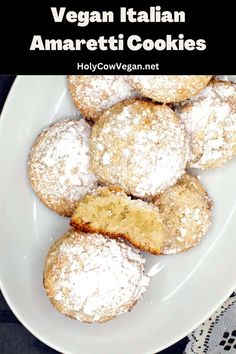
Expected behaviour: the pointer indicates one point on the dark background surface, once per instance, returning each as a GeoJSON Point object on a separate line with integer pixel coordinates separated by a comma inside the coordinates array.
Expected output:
{"type": "Point", "coordinates": [14, 338]}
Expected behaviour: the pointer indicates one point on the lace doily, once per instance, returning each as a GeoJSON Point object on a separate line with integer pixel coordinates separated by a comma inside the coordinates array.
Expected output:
{"type": "Point", "coordinates": [218, 334]}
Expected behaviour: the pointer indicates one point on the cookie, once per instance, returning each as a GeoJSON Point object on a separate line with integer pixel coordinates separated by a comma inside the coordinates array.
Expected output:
{"type": "Point", "coordinates": [93, 278]}
{"type": "Point", "coordinates": [168, 88]}
{"type": "Point", "coordinates": [186, 210]}
{"type": "Point", "coordinates": [58, 165]}
{"type": "Point", "coordinates": [139, 146]}
{"type": "Point", "coordinates": [111, 212]}
{"type": "Point", "coordinates": [92, 94]}
{"type": "Point", "coordinates": [210, 121]}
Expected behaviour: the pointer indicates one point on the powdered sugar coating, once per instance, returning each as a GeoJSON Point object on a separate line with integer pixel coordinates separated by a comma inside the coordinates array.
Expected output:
{"type": "Point", "coordinates": [94, 93]}
{"type": "Point", "coordinates": [186, 212]}
{"type": "Point", "coordinates": [140, 146]}
{"type": "Point", "coordinates": [168, 88]}
{"type": "Point", "coordinates": [93, 278]}
{"type": "Point", "coordinates": [59, 165]}
{"type": "Point", "coordinates": [210, 120]}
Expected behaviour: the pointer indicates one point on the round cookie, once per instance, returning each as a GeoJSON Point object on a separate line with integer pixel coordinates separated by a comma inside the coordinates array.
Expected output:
{"type": "Point", "coordinates": [59, 165]}
{"type": "Point", "coordinates": [93, 278]}
{"type": "Point", "coordinates": [139, 146]}
{"type": "Point", "coordinates": [210, 120]}
{"type": "Point", "coordinates": [92, 94]}
{"type": "Point", "coordinates": [168, 88]}
{"type": "Point", "coordinates": [186, 211]}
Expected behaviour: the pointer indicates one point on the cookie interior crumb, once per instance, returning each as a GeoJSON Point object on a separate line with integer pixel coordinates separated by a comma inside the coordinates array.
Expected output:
{"type": "Point", "coordinates": [112, 213]}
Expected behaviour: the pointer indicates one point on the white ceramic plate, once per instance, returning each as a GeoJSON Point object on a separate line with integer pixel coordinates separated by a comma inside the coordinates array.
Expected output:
{"type": "Point", "coordinates": [185, 288]}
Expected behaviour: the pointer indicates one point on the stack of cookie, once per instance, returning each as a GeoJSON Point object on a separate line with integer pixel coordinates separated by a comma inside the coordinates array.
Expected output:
{"type": "Point", "coordinates": [120, 173]}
